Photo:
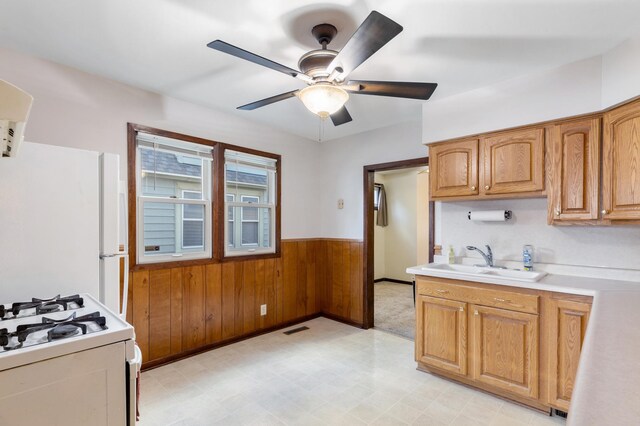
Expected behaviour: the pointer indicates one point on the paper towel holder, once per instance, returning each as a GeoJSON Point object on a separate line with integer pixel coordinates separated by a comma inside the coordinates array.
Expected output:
{"type": "Point", "coordinates": [507, 215]}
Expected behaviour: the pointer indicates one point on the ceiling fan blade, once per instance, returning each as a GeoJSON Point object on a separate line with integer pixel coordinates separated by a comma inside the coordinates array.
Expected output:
{"type": "Point", "coordinates": [341, 117]}
{"type": "Point", "coordinates": [268, 101]}
{"type": "Point", "coordinates": [376, 31]}
{"type": "Point", "coordinates": [395, 89]}
{"type": "Point", "coordinates": [256, 59]}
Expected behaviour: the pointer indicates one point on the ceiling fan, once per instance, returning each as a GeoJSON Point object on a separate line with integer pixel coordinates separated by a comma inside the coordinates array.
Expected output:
{"type": "Point", "coordinates": [325, 70]}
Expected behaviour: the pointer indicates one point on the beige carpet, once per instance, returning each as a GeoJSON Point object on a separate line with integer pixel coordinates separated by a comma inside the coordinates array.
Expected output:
{"type": "Point", "coordinates": [394, 311]}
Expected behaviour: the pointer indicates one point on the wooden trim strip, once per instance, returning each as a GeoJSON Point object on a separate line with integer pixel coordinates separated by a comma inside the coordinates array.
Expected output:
{"type": "Point", "coordinates": [392, 280]}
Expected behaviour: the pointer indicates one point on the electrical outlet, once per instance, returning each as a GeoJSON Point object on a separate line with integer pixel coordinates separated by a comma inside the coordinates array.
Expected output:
{"type": "Point", "coordinates": [341, 203]}
{"type": "Point", "coordinates": [263, 310]}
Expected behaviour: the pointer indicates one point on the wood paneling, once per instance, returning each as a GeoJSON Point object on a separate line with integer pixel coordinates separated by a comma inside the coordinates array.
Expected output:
{"type": "Point", "coordinates": [176, 311]}
{"type": "Point", "coordinates": [621, 163]}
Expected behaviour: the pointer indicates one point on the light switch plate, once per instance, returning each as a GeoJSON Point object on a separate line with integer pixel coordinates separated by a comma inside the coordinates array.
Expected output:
{"type": "Point", "coordinates": [341, 203]}
{"type": "Point", "coordinates": [263, 310]}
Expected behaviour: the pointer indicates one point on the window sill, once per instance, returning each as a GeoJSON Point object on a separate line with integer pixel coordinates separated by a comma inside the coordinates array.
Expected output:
{"type": "Point", "coordinates": [199, 262]}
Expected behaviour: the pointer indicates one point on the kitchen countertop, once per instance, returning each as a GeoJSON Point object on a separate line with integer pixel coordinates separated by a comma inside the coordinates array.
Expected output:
{"type": "Point", "coordinates": [607, 388]}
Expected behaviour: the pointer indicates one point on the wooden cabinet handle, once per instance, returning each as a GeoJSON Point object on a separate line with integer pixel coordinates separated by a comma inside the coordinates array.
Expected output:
{"type": "Point", "coordinates": [487, 187]}
{"type": "Point", "coordinates": [442, 291]}
{"type": "Point", "coordinates": [497, 299]}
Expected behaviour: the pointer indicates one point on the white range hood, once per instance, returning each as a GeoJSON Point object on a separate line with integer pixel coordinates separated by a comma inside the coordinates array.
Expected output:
{"type": "Point", "coordinates": [15, 105]}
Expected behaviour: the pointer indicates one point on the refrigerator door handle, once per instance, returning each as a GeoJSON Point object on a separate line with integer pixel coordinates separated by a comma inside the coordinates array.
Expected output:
{"type": "Point", "coordinates": [125, 288]}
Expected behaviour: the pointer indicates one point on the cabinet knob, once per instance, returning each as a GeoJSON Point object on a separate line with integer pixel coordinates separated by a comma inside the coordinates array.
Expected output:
{"type": "Point", "coordinates": [476, 313]}
{"type": "Point", "coordinates": [604, 211]}
{"type": "Point", "coordinates": [473, 188]}
{"type": "Point", "coordinates": [487, 187]}
{"type": "Point", "coordinates": [557, 212]}
{"type": "Point", "coordinates": [461, 309]}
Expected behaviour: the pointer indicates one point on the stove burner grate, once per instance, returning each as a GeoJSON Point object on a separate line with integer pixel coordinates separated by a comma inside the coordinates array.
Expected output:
{"type": "Point", "coordinates": [42, 306]}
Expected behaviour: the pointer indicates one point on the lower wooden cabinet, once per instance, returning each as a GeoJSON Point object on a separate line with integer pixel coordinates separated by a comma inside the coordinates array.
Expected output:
{"type": "Point", "coordinates": [442, 342]}
{"type": "Point", "coordinates": [568, 320]}
{"type": "Point", "coordinates": [505, 350]}
{"type": "Point", "coordinates": [525, 351]}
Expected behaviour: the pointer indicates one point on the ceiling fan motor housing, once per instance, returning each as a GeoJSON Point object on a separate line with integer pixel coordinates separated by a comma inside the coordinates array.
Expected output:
{"type": "Point", "coordinates": [315, 63]}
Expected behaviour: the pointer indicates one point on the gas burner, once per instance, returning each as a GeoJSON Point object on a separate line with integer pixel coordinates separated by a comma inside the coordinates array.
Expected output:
{"type": "Point", "coordinates": [63, 331]}
{"type": "Point", "coordinates": [51, 329]}
{"type": "Point", "coordinates": [41, 306]}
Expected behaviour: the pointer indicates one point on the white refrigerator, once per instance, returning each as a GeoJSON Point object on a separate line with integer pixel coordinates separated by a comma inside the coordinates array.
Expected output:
{"type": "Point", "coordinates": [63, 225]}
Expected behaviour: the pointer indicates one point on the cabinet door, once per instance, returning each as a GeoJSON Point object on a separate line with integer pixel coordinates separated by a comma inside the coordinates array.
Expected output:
{"type": "Point", "coordinates": [621, 163]}
{"type": "Point", "coordinates": [512, 162]}
{"type": "Point", "coordinates": [576, 170]}
{"type": "Point", "coordinates": [505, 350]}
{"type": "Point", "coordinates": [568, 326]}
{"type": "Point", "coordinates": [454, 169]}
{"type": "Point", "coordinates": [441, 334]}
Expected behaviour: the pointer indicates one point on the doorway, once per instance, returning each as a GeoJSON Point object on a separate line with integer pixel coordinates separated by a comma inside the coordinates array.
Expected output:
{"type": "Point", "coordinates": [395, 291]}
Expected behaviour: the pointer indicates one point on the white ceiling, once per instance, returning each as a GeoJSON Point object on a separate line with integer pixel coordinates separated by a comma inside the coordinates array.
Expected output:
{"type": "Point", "coordinates": [160, 45]}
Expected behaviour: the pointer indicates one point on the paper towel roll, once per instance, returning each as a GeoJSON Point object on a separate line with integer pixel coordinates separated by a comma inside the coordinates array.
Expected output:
{"type": "Point", "coordinates": [490, 215]}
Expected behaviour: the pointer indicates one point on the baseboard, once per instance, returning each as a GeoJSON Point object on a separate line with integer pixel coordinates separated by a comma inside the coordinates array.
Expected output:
{"type": "Point", "coordinates": [342, 320]}
{"type": "Point", "coordinates": [393, 280]}
{"type": "Point", "coordinates": [187, 354]}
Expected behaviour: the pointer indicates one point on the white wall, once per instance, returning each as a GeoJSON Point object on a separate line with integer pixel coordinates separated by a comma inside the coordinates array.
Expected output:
{"type": "Point", "coordinates": [612, 246]}
{"type": "Point", "coordinates": [621, 73]}
{"type": "Point", "coordinates": [342, 163]}
{"type": "Point", "coordinates": [400, 235]}
{"type": "Point", "coordinates": [76, 109]}
{"type": "Point", "coordinates": [569, 90]}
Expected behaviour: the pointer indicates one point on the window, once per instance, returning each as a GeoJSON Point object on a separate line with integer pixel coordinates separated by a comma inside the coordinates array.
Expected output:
{"type": "Point", "coordinates": [189, 208]}
{"type": "Point", "coordinates": [250, 185]}
{"type": "Point", "coordinates": [173, 179]}
{"type": "Point", "coordinates": [376, 195]}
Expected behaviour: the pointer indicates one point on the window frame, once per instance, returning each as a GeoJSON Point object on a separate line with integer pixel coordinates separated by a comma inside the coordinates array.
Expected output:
{"type": "Point", "coordinates": [183, 219]}
{"type": "Point", "coordinates": [217, 214]}
{"type": "Point", "coordinates": [254, 251]}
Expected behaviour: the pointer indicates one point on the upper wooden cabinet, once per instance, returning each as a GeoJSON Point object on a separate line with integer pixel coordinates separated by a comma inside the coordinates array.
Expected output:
{"type": "Point", "coordinates": [575, 171]}
{"type": "Point", "coordinates": [621, 163]}
{"type": "Point", "coordinates": [496, 166]}
{"type": "Point", "coordinates": [512, 162]}
{"type": "Point", "coordinates": [454, 169]}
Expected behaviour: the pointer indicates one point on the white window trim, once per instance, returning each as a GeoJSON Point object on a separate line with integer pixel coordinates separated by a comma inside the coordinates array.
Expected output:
{"type": "Point", "coordinates": [185, 219]}
{"type": "Point", "coordinates": [227, 219]}
{"type": "Point", "coordinates": [142, 257]}
{"type": "Point", "coordinates": [231, 251]}
{"type": "Point", "coordinates": [244, 201]}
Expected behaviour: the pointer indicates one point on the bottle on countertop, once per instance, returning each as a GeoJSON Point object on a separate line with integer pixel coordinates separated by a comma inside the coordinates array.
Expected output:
{"type": "Point", "coordinates": [527, 257]}
{"type": "Point", "coordinates": [452, 255]}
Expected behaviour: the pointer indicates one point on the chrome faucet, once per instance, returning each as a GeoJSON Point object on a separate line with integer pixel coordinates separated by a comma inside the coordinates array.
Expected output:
{"type": "Point", "coordinates": [488, 257]}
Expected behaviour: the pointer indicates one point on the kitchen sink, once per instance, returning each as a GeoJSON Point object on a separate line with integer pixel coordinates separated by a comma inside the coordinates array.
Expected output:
{"type": "Point", "coordinates": [468, 272]}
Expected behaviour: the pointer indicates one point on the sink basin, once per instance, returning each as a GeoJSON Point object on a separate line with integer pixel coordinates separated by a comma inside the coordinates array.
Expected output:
{"type": "Point", "coordinates": [444, 270]}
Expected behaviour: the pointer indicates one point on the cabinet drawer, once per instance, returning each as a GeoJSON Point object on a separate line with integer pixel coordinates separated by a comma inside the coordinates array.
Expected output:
{"type": "Point", "coordinates": [510, 300]}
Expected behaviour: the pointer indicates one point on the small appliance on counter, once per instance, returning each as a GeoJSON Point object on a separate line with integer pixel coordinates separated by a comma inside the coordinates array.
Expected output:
{"type": "Point", "coordinates": [15, 105]}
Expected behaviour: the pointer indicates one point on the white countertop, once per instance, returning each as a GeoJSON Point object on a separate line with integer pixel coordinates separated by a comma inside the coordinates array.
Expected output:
{"type": "Point", "coordinates": [607, 388]}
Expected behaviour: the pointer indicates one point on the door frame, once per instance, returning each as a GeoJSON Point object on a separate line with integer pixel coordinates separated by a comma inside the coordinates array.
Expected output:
{"type": "Point", "coordinates": [367, 246]}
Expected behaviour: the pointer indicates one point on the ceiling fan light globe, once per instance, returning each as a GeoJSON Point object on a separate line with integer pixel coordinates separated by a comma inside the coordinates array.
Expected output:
{"type": "Point", "coordinates": [323, 99]}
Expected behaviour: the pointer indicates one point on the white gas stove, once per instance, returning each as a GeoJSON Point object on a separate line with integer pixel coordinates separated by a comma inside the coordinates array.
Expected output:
{"type": "Point", "coordinates": [52, 349]}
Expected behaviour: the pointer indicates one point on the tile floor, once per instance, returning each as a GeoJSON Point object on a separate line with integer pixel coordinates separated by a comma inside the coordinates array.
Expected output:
{"type": "Point", "coordinates": [332, 374]}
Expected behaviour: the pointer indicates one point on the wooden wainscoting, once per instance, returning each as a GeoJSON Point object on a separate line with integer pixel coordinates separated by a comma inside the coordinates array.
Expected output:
{"type": "Point", "coordinates": [180, 311]}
